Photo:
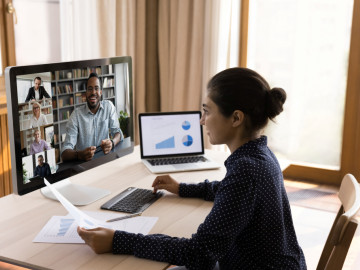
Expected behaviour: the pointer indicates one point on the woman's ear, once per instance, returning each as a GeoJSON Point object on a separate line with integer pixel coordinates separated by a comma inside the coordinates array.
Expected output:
{"type": "Point", "coordinates": [238, 118]}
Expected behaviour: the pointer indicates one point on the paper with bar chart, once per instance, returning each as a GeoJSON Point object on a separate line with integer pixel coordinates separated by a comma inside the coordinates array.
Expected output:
{"type": "Point", "coordinates": [63, 229]}
{"type": "Point", "coordinates": [171, 134]}
{"type": "Point", "coordinates": [59, 229]}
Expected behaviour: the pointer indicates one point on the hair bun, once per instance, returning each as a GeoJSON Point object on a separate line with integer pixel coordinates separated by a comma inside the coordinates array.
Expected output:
{"type": "Point", "coordinates": [276, 98]}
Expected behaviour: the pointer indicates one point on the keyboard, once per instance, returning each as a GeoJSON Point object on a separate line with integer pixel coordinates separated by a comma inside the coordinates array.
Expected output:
{"type": "Point", "coordinates": [132, 200]}
{"type": "Point", "coordinates": [177, 160]}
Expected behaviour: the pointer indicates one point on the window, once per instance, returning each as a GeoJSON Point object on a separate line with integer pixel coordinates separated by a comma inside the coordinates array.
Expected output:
{"type": "Point", "coordinates": [303, 47]}
{"type": "Point", "coordinates": [37, 32]}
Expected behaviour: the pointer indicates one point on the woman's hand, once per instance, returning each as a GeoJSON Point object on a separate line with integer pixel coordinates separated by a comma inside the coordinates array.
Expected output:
{"type": "Point", "coordinates": [166, 182]}
{"type": "Point", "coordinates": [99, 239]}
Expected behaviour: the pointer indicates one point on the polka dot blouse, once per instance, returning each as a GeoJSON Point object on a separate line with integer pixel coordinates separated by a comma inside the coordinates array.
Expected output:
{"type": "Point", "coordinates": [249, 226]}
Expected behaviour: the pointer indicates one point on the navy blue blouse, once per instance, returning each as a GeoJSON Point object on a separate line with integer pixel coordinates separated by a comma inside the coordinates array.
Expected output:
{"type": "Point", "coordinates": [249, 227]}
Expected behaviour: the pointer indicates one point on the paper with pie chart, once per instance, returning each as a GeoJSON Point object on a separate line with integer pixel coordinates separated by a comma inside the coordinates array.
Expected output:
{"type": "Point", "coordinates": [171, 134]}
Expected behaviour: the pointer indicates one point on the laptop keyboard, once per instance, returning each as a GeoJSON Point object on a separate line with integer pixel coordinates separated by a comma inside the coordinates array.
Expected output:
{"type": "Point", "coordinates": [177, 160]}
{"type": "Point", "coordinates": [132, 200]}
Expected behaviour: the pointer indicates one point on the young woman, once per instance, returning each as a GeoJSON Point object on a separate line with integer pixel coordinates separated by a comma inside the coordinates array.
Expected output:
{"type": "Point", "coordinates": [250, 224]}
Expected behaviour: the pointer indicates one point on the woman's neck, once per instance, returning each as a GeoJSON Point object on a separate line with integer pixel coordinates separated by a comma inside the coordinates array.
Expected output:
{"type": "Point", "coordinates": [235, 144]}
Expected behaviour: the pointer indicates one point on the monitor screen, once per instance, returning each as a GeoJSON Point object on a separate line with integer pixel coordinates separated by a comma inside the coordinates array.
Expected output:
{"type": "Point", "coordinates": [50, 111]}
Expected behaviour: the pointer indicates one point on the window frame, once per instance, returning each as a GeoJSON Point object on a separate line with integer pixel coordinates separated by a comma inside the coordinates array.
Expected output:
{"type": "Point", "coordinates": [8, 59]}
{"type": "Point", "coordinates": [7, 41]}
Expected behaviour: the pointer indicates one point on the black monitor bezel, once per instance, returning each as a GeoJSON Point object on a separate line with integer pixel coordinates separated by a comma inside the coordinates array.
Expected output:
{"type": "Point", "coordinates": [11, 74]}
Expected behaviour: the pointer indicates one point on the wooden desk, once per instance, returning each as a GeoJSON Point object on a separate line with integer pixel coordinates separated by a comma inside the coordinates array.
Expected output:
{"type": "Point", "coordinates": [22, 217]}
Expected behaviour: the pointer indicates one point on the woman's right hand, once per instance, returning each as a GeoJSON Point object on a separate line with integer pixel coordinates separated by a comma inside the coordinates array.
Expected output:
{"type": "Point", "coordinates": [166, 182]}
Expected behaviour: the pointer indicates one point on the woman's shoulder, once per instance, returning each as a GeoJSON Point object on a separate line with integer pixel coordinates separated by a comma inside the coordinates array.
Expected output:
{"type": "Point", "coordinates": [249, 172]}
{"type": "Point", "coordinates": [256, 164]}
{"type": "Point", "coordinates": [241, 173]}
{"type": "Point", "coordinates": [247, 159]}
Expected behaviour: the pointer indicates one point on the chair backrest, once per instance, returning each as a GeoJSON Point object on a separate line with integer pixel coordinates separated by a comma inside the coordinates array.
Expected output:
{"type": "Point", "coordinates": [344, 226]}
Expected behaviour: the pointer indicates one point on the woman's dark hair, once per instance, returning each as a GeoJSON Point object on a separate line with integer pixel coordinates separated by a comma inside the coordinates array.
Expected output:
{"type": "Point", "coordinates": [245, 90]}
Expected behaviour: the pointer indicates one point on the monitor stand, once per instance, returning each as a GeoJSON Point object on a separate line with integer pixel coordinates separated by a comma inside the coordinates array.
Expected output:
{"type": "Point", "coordinates": [76, 194]}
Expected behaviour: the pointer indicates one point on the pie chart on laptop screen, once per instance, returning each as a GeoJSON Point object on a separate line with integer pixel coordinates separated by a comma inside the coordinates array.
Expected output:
{"type": "Point", "coordinates": [187, 140]}
{"type": "Point", "coordinates": [186, 125]}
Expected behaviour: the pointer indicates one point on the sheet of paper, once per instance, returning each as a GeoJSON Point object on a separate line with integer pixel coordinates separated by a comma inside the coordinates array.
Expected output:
{"type": "Point", "coordinates": [138, 224]}
{"type": "Point", "coordinates": [59, 229]}
{"type": "Point", "coordinates": [62, 229]}
{"type": "Point", "coordinates": [80, 217]}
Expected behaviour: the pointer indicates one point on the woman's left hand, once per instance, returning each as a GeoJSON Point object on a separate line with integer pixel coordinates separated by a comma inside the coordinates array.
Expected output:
{"type": "Point", "coordinates": [99, 239]}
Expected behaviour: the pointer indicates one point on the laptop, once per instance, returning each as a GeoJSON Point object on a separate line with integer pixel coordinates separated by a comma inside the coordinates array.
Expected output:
{"type": "Point", "coordinates": [173, 142]}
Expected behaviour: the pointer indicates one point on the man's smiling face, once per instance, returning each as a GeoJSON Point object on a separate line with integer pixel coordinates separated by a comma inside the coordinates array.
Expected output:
{"type": "Point", "coordinates": [93, 94]}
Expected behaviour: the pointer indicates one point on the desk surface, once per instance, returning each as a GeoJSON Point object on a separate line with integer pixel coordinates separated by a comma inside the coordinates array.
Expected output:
{"type": "Point", "coordinates": [22, 217]}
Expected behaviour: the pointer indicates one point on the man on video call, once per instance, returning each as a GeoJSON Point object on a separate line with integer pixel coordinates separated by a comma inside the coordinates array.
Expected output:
{"type": "Point", "coordinates": [36, 92]}
{"type": "Point", "coordinates": [43, 169]}
{"type": "Point", "coordinates": [88, 126]}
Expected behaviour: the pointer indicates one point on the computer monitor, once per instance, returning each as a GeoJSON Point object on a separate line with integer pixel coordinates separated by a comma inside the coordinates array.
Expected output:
{"type": "Point", "coordinates": [60, 90]}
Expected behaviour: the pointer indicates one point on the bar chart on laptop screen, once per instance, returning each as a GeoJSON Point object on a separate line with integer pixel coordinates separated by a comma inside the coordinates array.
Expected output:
{"type": "Point", "coordinates": [171, 134]}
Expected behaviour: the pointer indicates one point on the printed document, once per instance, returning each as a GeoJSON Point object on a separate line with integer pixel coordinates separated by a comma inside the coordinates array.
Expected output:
{"type": "Point", "coordinates": [63, 229]}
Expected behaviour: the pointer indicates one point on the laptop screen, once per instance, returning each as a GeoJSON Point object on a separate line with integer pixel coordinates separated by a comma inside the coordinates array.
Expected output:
{"type": "Point", "coordinates": [170, 134]}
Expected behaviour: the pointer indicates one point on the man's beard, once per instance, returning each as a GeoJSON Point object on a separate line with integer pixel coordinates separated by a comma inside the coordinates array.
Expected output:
{"type": "Point", "coordinates": [96, 103]}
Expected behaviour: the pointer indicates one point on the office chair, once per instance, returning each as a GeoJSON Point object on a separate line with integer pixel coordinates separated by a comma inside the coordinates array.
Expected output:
{"type": "Point", "coordinates": [344, 226]}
